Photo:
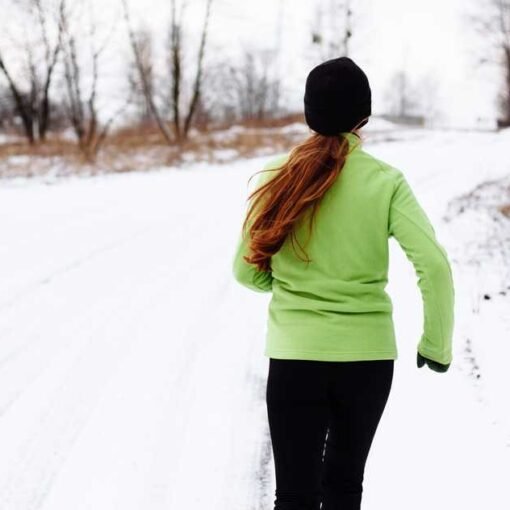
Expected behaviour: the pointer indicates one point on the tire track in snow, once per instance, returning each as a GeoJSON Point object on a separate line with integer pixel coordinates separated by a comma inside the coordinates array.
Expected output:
{"type": "Point", "coordinates": [75, 264]}
{"type": "Point", "coordinates": [263, 455]}
{"type": "Point", "coordinates": [17, 358]}
{"type": "Point", "coordinates": [41, 455]}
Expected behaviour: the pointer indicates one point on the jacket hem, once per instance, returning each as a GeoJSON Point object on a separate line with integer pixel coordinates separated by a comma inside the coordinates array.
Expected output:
{"type": "Point", "coordinates": [332, 355]}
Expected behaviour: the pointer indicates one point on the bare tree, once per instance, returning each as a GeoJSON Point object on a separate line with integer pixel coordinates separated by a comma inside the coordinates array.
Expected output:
{"type": "Point", "coordinates": [82, 107]}
{"type": "Point", "coordinates": [257, 90]}
{"type": "Point", "coordinates": [24, 106]}
{"type": "Point", "coordinates": [415, 100]}
{"type": "Point", "coordinates": [141, 75]}
{"type": "Point", "coordinates": [7, 109]}
{"type": "Point", "coordinates": [402, 95]}
{"type": "Point", "coordinates": [197, 84]}
{"type": "Point", "coordinates": [144, 78]}
{"type": "Point", "coordinates": [31, 89]}
{"type": "Point", "coordinates": [51, 55]}
{"type": "Point", "coordinates": [181, 121]}
{"type": "Point", "coordinates": [220, 97]}
{"type": "Point", "coordinates": [175, 47]}
{"type": "Point", "coordinates": [503, 23]}
{"type": "Point", "coordinates": [332, 28]}
{"type": "Point", "coordinates": [430, 99]}
{"type": "Point", "coordinates": [492, 22]}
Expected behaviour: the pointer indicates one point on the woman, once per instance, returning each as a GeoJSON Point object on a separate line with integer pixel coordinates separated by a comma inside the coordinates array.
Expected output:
{"type": "Point", "coordinates": [316, 236]}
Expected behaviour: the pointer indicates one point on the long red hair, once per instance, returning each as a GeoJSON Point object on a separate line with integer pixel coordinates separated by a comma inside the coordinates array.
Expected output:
{"type": "Point", "coordinates": [310, 170]}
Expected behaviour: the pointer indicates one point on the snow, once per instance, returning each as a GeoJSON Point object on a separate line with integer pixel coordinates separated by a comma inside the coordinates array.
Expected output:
{"type": "Point", "coordinates": [295, 128]}
{"type": "Point", "coordinates": [19, 160]}
{"type": "Point", "coordinates": [379, 124]}
{"type": "Point", "coordinates": [5, 138]}
{"type": "Point", "coordinates": [131, 365]}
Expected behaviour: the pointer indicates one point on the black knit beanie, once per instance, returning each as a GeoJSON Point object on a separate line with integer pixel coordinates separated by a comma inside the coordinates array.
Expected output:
{"type": "Point", "coordinates": [337, 97]}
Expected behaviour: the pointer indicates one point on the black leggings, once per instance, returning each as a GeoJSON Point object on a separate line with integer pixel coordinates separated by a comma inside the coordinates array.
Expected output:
{"type": "Point", "coordinates": [323, 416]}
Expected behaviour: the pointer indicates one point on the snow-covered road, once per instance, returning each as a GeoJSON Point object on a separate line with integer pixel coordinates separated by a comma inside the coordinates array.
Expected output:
{"type": "Point", "coordinates": [131, 366]}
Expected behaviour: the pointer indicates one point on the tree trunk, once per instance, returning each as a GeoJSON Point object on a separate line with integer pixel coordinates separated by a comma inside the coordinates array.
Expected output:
{"type": "Point", "coordinates": [506, 91]}
{"type": "Point", "coordinates": [198, 77]}
{"type": "Point", "coordinates": [21, 107]}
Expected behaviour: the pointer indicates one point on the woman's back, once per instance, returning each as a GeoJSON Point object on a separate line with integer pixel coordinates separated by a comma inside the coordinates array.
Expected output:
{"type": "Point", "coordinates": [335, 306]}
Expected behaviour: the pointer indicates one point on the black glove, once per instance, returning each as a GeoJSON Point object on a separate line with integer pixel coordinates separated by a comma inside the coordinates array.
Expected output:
{"type": "Point", "coordinates": [433, 365]}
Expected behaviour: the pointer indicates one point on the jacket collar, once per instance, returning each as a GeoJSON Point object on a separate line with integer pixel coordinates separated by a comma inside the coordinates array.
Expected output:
{"type": "Point", "coordinates": [353, 139]}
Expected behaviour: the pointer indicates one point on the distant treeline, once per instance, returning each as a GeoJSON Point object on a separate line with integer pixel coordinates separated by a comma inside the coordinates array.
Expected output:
{"type": "Point", "coordinates": [51, 75]}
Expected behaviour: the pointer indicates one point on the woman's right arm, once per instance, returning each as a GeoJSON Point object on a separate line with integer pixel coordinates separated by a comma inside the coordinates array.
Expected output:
{"type": "Point", "coordinates": [410, 226]}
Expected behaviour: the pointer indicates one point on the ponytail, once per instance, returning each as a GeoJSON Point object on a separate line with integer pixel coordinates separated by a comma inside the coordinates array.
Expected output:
{"type": "Point", "coordinates": [310, 170]}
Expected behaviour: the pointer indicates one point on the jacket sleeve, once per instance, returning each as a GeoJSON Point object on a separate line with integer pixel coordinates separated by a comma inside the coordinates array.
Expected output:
{"type": "Point", "coordinates": [410, 226]}
{"type": "Point", "coordinates": [248, 274]}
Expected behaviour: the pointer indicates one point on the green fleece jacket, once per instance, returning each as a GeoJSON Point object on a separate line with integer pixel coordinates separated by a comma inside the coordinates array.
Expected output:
{"type": "Point", "coordinates": [336, 308]}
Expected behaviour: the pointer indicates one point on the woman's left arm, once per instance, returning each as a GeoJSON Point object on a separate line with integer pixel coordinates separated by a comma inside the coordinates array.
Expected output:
{"type": "Point", "coordinates": [248, 274]}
